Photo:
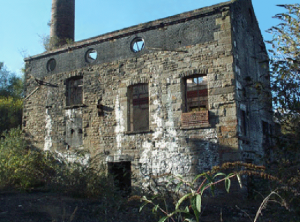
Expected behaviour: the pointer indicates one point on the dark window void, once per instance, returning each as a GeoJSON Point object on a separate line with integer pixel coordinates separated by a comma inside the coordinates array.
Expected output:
{"type": "Point", "coordinates": [243, 123]}
{"type": "Point", "coordinates": [266, 128]}
{"type": "Point", "coordinates": [51, 65]}
{"type": "Point", "coordinates": [196, 93]}
{"type": "Point", "coordinates": [138, 107]}
{"type": "Point", "coordinates": [267, 138]}
{"type": "Point", "coordinates": [74, 91]}
{"type": "Point", "coordinates": [121, 172]}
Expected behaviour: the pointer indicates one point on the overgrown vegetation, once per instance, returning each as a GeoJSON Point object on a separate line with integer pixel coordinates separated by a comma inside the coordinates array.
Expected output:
{"type": "Point", "coordinates": [10, 113]}
{"type": "Point", "coordinates": [11, 94]}
{"type": "Point", "coordinates": [186, 199]}
{"type": "Point", "coordinates": [285, 75]}
{"type": "Point", "coordinates": [285, 62]}
{"type": "Point", "coordinates": [54, 42]}
{"type": "Point", "coordinates": [24, 168]}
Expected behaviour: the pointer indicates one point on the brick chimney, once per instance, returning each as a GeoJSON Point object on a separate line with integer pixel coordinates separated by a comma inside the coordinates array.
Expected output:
{"type": "Point", "coordinates": [62, 22]}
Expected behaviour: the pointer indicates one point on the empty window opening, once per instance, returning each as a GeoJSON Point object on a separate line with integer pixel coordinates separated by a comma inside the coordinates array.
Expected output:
{"type": "Point", "coordinates": [138, 107]}
{"type": "Point", "coordinates": [51, 65]}
{"type": "Point", "coordinates": [91, 55]}
{"type": "Point", "coordinates": [121, 172]}
{"type": "Point", "coordinates": [267, 138]}
{"type": "Point", "coordinates": [195, 100]}
{"type": "Point", "coordinates": [74, 91]}
{"type": "Point", "coordinates": [266, 128]}
{"type": "Point", "coordinates": [137, 44]}
{"type": "Point", "coordinates": [196, 93]}
{"type": "Point", "coordinates": [243, 123]}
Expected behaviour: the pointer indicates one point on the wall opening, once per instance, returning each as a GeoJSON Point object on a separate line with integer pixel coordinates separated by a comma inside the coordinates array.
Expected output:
{"type": "Point", "coordinates": [244, 123]}
{"type": "Point", "coordinates": [121, 172]}
{"type": "Point", "coordinates": [91, 55]}
{"type": "Point", "coordinates": [74, 90]}
{"type": "Point", "coordinates": [137, 44]}
{"type": "Point", "coordinates": [51, 65]}
{"type": "Point", "coordinates": [138, 107]}
{"type": "Point", "coordinates": [196, 93]}
{"type": "Point", "coordinates": [195, 101]}
{"type": "Point", "coordinates": [267, 137]}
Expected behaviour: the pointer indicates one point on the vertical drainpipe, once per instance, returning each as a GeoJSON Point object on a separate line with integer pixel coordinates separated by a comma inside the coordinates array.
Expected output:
{"type": "Point", "coordinates": [62, 27]}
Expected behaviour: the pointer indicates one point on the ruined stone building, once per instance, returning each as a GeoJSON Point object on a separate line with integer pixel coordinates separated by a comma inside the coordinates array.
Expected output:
{"type": "Point", "coordinates": [175, 95]}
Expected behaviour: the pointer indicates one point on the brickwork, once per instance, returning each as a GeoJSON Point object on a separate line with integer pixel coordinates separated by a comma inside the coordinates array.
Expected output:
{"type": "Point", "coordinates": [62, 22]}
{"type": "Point", "coordinates": [206, 42]}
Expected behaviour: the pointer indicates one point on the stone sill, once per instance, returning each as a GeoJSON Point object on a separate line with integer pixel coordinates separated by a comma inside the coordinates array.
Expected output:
{"type": "Point", "coordinates": [202, 126]}
{"type": "Point", "coordinates": [138, 132]}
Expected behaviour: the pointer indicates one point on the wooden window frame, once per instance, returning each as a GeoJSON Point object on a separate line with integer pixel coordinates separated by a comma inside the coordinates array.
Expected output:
{"type": "Point", "coordinates": [195, 115]}
{"type": "Point", "coordinates": [141, 100]}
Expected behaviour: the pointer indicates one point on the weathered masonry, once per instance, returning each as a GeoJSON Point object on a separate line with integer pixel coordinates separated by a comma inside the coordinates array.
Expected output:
{"type": "Point", "coordinates": [176, 95]}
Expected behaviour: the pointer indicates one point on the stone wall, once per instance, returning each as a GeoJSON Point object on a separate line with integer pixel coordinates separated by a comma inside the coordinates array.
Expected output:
{"type": "Point", "coordinates": [251, 65]}
{"type": "Point", "coordinates": [193, 44]}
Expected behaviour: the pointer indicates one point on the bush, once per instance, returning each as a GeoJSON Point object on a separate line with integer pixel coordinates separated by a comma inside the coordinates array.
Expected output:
{"type": "Point", "coordinates": [19, 166]}
{"type": "Point", "coordinates": [10, 113]}
{"type": "Point", "coordinates": [25, 168]}
{"type": "Point", "coordinates": [79, 180]}
{"type": "Point", "coordinates": [194, 200]}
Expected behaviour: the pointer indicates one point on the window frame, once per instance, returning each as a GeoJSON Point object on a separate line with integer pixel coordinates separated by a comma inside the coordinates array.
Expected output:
{"type": "Point", "coordinates": [196, 117]}
{"type": "Point", "coordinates": [131, 124]}
{"type": "Point", "coordinates": [187, 108]}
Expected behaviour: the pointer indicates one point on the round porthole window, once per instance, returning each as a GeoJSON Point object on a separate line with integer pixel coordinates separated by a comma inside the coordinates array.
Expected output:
{"type": "Point", "coordinates": [91, 55]}
{"type": "Point", "coordinates": [51, 65]}
{"type": "Point", "coordinates": [137, 44]}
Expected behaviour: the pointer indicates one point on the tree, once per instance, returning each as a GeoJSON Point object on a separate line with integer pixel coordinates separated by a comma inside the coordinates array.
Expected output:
{"type": "Point", "coordinates": [285, 76]}
{"type": "Point", "coordinates": [285, 60]}
{"type": "Point", "coordinates": [285, 70]}
{"type": "Point", "coordinates": [10, 84]}
{"type": "Point", "coordinates": [11, 94]}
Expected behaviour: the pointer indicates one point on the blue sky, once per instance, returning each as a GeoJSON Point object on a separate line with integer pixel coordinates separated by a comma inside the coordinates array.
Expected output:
{"type": "Point", "coordinates": [23, 23]}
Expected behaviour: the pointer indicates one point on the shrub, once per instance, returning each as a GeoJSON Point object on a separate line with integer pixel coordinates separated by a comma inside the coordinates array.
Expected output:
{"type": "Point", "coordinates": [25, 168]}
{"type": "Point", "coordinates": [185, 201]}
{"type": "Point", "coordinates": [10, 113]}
{"type": "Point", "coordinates": [19, 167]}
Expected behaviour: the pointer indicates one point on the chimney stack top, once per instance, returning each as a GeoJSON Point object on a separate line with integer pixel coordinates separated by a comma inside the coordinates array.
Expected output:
{"type": "Point", "coordinates": [62, 27]}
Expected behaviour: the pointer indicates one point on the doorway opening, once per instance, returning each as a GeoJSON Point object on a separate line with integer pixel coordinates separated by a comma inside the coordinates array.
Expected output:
{"type": "Point", "coordinates": [121, 172]}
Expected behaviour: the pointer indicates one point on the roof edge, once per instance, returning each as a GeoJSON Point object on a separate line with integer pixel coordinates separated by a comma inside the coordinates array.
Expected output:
{"type": "Point", "coordinates": [159, 23]}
